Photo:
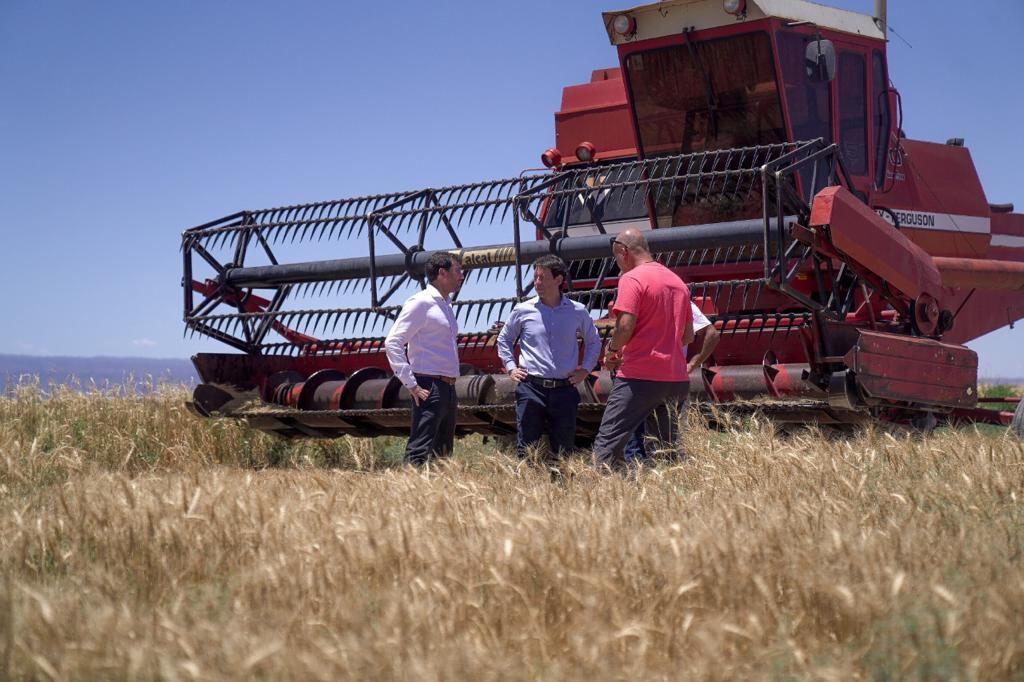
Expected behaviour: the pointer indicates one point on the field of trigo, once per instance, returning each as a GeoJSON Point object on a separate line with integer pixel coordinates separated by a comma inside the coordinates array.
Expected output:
{"type": "Point", "coordinates": [139, 542]}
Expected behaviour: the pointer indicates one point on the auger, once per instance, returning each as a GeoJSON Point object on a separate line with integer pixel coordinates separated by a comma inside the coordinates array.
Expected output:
{"type": "Point", "coordinates": [759, 143]}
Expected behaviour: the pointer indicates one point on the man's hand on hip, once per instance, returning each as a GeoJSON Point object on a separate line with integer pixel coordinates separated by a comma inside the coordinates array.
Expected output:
{"type": "Point", "coordinates": [419, 394]}
{"type": "Point", "coordinates": [518, 374]}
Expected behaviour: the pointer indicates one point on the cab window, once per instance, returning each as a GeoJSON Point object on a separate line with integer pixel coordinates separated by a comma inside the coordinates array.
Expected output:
{"type": "Point", "coordinates": [853, 112]}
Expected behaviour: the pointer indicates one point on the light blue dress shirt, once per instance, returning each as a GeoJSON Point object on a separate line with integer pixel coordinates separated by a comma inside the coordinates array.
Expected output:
{"type": "Point", "coordinates": [547, 338]}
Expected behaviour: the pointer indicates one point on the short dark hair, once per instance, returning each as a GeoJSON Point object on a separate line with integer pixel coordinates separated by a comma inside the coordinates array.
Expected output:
{"type": "Point", "coordinates": [438, 261]}
{"type": "Point", "coordinates": [556, 266]}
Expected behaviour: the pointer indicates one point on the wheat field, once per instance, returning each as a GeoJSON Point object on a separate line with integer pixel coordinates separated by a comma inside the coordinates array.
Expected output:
{"type": "Point", "coordinates": [140, 542]}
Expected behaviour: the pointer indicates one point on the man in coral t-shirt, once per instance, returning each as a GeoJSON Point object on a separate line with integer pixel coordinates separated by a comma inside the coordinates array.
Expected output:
{"type": "Point", "coordinates": [653, 325]}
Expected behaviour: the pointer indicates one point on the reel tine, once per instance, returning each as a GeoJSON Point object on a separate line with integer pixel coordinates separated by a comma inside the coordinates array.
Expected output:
{"type": "Point", "coordinates": [509, 199]}
{"type": "Point", "coordinates": [320, 224]}
{"type": "Point", "coordinates": [493, 200]}
{"type": "Point", "coordinates": [664, 177]}
{"type": "Point", "coordinates": [282, 218]}
{"type": "Point", "coordinates": [302, 222]}
{"type": "Point", "coordinates": [479, 312]}
{"type": "Point", "coordinates": [476, 204]}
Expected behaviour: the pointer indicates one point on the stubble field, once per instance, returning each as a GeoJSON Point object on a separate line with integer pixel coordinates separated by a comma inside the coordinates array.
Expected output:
{"type": "Point", "coordinates": [140, 542]}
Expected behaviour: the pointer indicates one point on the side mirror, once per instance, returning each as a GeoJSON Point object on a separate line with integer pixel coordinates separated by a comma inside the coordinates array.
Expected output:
{"type": "Point", "coordinates": [820, 60]}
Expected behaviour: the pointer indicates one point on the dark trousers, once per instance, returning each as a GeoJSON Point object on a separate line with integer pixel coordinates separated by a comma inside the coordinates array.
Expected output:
{"type": "Point", "coordinates": [550, 410]}
{"type": "Point", "coordinates": [636, 447]}
{"type": "Point", "coordinates": [432, 433]}
{"type": "Point", "coordinates": [629, 404]}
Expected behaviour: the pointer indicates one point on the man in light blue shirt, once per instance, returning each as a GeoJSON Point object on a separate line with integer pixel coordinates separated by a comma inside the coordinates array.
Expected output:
{"type": "Point", "coordinates": [547, 328]}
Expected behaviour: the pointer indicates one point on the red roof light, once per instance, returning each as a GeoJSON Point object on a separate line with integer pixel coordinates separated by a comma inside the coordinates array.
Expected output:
{"type": "Point", "coordinates": [551, 158]}
{"type": "Point", "coordinates": [586, 152]}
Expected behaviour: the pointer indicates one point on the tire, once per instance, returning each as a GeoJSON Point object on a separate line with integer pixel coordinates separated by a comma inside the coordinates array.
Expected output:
{"type": "Point", "coordinates": [924, 423]}
{"type": "Point", "coordinates": [1017, 423]}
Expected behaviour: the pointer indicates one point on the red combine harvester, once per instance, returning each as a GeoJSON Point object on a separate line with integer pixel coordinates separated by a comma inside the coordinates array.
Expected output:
{"type": "Point", "coordinates": [758, 141]}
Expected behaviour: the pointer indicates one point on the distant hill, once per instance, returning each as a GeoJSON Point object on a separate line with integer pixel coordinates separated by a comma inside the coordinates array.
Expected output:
{"type": "Point", "coordinates": [98, 371]}
{"type": "Point", "coordinates": [111, 371]}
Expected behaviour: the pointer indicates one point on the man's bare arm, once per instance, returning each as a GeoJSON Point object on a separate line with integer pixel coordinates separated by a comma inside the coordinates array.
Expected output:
{"type": "Point", "coordinates": [625, 325]}
{"type": "Point", "coordinates": [709, 341]}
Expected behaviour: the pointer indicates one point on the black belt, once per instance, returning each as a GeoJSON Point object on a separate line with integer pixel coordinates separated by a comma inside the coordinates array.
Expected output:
{"type": "Point", "coordinates": [547, 383]}
{"type": "Point", "coordinates": [448, 380]}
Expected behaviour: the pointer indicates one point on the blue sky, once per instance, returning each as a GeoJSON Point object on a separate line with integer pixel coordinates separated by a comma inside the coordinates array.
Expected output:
{"type": "Point", "coordinates": [123, 123]}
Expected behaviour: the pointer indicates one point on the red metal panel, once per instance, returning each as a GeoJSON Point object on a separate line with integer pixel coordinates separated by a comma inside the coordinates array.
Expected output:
{"type": "Point", "coordinates": [595, 112]}
{"type": "Point", "coordinates": [1008, 223]}
{"type": "Point", "coordinates": [916, 370]}
{"type": "Point", "coordinates": [861, 234]}
{"type": "Point", "coordinates": [934, 177]}
{"type": "Point", "coordinates": [1007, 228]}
{"type": "Point", "coordinates": [981, 311]}
{"type": "Point", "coordinates": [977, 273]}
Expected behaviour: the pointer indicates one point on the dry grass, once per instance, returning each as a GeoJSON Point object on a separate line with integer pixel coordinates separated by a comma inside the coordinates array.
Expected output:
{"type": "Point", "coordinates": [137, 541]}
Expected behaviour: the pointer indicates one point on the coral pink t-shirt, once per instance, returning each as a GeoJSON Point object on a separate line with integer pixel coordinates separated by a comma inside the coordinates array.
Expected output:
{"type": "Point", "coordinates": [661, 303]}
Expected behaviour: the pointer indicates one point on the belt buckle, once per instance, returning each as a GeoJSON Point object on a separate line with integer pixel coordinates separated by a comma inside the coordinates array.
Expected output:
{"type": "Point", "coordinates": [549, 383]}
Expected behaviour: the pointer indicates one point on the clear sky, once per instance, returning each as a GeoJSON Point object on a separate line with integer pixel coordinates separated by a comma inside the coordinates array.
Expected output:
{"type": "Point", "coordinates": [124, 122]}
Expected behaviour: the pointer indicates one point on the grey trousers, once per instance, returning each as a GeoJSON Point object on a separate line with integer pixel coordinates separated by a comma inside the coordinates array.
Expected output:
{"type": "Point", "coordinates": [629, 404]}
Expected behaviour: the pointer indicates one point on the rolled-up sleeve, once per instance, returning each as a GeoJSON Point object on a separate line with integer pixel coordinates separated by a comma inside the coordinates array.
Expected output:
{"type": "Point", "coordinates": [591, 341]}
{"type": "Point", "coordinates": [410, 320]}
{"type": "Point", "coordinates": [507, 337]}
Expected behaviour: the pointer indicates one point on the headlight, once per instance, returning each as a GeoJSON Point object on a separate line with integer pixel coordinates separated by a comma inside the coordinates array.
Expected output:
{"type": "Point", "coordinates": [736, 7]}
{"type": "Point", "coordinates": [624, 25]}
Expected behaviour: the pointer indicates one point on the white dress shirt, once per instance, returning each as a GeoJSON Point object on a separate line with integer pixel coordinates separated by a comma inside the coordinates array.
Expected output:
{"type": "Point", "coordinates": [700, 321]}
{"type": "Point", "coordinates": [427, 325]}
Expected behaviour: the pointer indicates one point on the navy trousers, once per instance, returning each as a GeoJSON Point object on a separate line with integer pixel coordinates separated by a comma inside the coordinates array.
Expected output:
{"type": "Point", "coordinates": [542, 410]}
{"type": "Point", "coordinates": [432, 432]}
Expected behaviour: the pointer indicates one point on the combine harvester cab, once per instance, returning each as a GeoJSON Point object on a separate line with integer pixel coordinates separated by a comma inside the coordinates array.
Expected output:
{"type": "Point", "coordinates": [756, 140]}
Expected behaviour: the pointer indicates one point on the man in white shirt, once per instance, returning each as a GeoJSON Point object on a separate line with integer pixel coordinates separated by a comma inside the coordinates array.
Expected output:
{"type": "Point", "coordinates": [706, 338]}
{"type": "Point", "coordinates": [421, 348]}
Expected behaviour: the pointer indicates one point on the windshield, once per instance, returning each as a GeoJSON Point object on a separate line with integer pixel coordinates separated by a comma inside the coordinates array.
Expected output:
{"type": "Point", "coordinates": [594, 209]}
{"type": "Point", "coordinates": [727, 97]}
{"type": "Point", "coordinates": [702, 97]}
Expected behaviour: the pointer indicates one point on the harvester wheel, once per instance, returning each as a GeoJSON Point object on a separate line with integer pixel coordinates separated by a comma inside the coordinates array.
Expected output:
{"type": "Point", "coordinates": [925, 318]}
{"type": "Point", "coordinates": [923, 423]}
{"type": "Point", "coordinates": [1017, 423]}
